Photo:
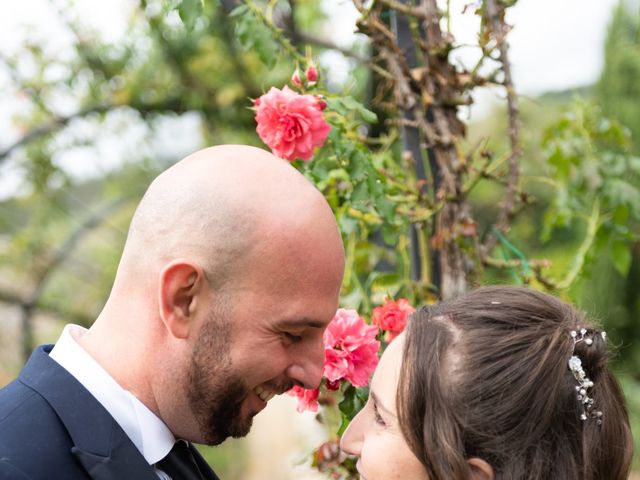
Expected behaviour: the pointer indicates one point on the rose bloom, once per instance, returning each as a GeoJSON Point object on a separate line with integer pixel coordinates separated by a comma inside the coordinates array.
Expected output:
{"type": "Point", "coordinates": [350, 349]}
{"type": "Point", "coordinates": [392, 316]}
{"type": "Point", "coordinates": [307, 399]}
{"type": "Point", "coordinates": [291, 124]}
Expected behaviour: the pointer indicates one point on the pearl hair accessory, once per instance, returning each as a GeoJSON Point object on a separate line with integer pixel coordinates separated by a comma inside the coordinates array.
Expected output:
{"type": "Point", "coordinates": [584, 383]}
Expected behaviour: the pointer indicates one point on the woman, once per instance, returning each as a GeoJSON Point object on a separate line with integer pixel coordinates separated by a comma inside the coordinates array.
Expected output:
{"type": "Point", "coordinates": [501, 383]}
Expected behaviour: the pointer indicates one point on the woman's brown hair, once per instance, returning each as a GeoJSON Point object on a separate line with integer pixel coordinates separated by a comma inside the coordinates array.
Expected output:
{"type": "Point", "coordinates": [486, 375]}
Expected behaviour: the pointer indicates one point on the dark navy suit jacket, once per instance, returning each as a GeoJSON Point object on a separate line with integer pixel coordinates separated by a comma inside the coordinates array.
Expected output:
{"type": "Point", "coordinates": [52, 428]}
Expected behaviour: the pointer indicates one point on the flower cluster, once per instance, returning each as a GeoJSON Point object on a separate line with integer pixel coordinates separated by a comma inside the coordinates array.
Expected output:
{"type": "Point", "coordinates": [307, 399]}
{"type": "Point", "coordinates": [291, 124]}
{"type": "Point", "coordinates": [350, 349]}
{"type": "Point", "coordinates": [351, 354]}
{"type": "Point", "coordinates": [310, 77]}
{"type": "Point", "coordinates": [392, 316]}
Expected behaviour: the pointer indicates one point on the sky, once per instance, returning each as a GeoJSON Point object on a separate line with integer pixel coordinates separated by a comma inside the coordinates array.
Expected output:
{"type": "Point", "coordinates": [554, 45]}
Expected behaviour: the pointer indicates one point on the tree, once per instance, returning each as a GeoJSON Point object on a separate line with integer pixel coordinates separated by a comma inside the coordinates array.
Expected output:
{"type": "Point", "coordinates": [618, 88]}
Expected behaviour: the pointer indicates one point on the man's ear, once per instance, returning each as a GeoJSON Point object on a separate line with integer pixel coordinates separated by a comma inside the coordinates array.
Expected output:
{"type": "Point", "coordinates": [181, 286]}
{"type": "Point", "coordinates": [480, 470]}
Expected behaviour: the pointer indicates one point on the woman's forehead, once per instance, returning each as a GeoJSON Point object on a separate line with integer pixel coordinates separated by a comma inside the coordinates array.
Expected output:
{"type": "Point", "coordinates": [385, 378]}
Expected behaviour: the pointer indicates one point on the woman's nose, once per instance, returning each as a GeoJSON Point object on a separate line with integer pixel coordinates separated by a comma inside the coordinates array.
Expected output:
{"type": "Point", "coordinates": [351, 441]}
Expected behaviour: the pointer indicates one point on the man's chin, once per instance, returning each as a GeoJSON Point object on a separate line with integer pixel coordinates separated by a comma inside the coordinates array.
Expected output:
{"type": "Point", "coordinates": [238, 429]}
{"type": "Point", "coordinates": [244, 430]}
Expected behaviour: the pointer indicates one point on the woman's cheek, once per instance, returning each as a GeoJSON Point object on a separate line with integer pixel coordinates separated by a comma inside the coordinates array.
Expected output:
{"type": "Point", "coordinates": [388, 457]}
{"type": "Point", "coordinates": [381, 458]}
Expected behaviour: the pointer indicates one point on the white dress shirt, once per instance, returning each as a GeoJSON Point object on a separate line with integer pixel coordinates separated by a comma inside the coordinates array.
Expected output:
{"type": "Point", "coordinates": [147, 432]}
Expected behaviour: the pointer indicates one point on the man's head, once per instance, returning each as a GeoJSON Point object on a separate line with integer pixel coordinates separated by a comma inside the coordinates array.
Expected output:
{"type": "Point", "coordinates": [234, 263]}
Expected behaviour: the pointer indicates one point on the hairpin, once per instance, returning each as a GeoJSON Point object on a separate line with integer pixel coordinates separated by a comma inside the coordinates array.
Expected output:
{"type": "Point", "coordinates": [584, 383]}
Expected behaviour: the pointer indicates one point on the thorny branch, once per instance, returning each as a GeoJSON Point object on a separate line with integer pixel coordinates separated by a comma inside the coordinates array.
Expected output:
{"type": "Point", "coordinates": [430, 94]}
{"type": "Point", "coordinates": [495, 12]}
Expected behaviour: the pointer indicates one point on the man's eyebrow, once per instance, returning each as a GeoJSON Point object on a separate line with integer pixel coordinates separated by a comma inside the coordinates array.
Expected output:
{"type": "Point", "coordinates": [302, 323]}
{"type": "Point", "coordinates": [380, 405]}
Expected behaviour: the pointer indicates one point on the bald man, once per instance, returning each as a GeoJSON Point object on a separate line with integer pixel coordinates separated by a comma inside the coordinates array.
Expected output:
{"type": "Point", "coordinates": [230, 273]}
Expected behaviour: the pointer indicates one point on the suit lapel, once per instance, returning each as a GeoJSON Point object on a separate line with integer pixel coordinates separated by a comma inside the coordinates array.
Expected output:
{"type": "Point", "coordinates": [100, 445]}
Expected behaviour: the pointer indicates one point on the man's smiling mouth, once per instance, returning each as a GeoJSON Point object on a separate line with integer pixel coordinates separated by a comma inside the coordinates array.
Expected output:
{"type": "Point", "coordinates": [265, 394]}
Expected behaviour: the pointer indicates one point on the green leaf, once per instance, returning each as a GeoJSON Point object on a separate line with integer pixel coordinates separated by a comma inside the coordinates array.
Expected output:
{"type": "Point", "coordinates": [367, 115]}
{"type": "Point", "coordinates": [353, 401]}
{"type": "Point", "coordinates": [347, 225]}
{"type": "Point", "coordinates": [621, 256]}
{"type": "Point", "coordinates": [352, 104]}
{"type": "Point", "coordinates": [254, 36]}
{"type": "Point", "coordinates": [189, 11]}
{"type": "Point", "coordinates": [386, 208]}
{"type": "Point", "coordinates": [360, 195]}
{"type": "Point", "coordinates": [240, 10]}
{"type": "Point", "coordinates": [621, 214]}
{"type": "Point", "coordinates": [345, 105]}
{"type": "Point", "coordinates": [388, 283]}
{"type": "Point", "coordinates": [336, 105]}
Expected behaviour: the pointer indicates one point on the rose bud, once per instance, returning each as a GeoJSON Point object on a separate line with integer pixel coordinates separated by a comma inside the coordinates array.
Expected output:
{"type": "Point", "coordinates": [311, 74]}
{"type": "Point", "coordinates": [333, 386]}
{"type": "Point", "coordinates": [295, 78]}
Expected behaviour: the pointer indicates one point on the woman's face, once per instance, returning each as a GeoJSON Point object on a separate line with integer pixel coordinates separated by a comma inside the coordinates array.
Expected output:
{"type": "Point", "coordinates": [374, 435]}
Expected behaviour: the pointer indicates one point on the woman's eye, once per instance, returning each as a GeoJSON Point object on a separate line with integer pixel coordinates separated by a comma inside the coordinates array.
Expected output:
{"type": "Point", "coordinates": [378, 418]}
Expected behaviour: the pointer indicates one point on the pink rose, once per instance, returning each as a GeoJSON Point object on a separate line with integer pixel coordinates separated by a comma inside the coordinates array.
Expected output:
{"type": "Point", "coordinates": [392, 316]}
{"type": "Point", "coordinates": [307, 399]}
{"type": "Point", "coordinates": [291, 124]}
{"type": "Point", "coordinates": [350, 349]}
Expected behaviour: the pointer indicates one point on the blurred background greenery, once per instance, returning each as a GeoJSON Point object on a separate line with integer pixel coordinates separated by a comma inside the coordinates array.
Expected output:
{"type": "Point", "coordinates": [94, 116]}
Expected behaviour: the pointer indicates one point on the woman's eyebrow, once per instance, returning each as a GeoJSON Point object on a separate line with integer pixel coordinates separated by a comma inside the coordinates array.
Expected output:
{"type": "Point", "coordinates": [380, 405]}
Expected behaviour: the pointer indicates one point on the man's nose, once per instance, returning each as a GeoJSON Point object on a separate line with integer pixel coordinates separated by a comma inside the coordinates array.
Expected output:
{"type": "Point", "coordinates": [306, 366]}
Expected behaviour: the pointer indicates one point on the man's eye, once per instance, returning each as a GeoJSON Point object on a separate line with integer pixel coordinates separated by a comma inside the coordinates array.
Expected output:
{"type": "Point", "coordinates": [293, 337]}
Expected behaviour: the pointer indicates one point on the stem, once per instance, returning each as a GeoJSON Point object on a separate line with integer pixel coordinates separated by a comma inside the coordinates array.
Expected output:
{"type": "Point", "coordinates": [424, 254]}
{"type": "Point", "coordinates": [403, 250]}
{"type": "Point", "coordinates": [277, 33]}
{"type": "Point", "coordinates": [350, 257]}
{"type": "Point", "coordinates": [593, 222]}
{"type": "Point", "coordinates": [495, 18]}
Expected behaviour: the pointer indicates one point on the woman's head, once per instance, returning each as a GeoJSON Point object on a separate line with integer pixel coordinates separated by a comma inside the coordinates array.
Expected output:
{"type": "Point", "coordinates": [484, 389]}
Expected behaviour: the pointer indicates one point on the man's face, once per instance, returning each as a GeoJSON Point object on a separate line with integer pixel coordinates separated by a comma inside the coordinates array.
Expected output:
{"type": "Point", "coordinates": [262, 337]}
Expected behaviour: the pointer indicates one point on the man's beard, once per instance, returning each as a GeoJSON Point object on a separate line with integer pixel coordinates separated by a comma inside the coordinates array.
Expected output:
{"type": "Point", "coordinates": [215, 392]}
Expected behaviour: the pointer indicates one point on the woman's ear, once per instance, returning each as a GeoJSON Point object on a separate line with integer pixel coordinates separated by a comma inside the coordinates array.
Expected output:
{"type": "Point", "coordinates": [181, 284]}
{"type": "Point", "coordinates": [480, 470]}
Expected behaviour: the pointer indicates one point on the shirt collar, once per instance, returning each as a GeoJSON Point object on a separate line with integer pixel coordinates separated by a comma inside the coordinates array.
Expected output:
{"type": "Point", "coordinates": [147, 432]}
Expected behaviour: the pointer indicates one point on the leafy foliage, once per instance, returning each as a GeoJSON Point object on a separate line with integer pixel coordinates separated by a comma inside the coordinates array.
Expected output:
{"type": "Point", "coordinates": [597, 181]}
